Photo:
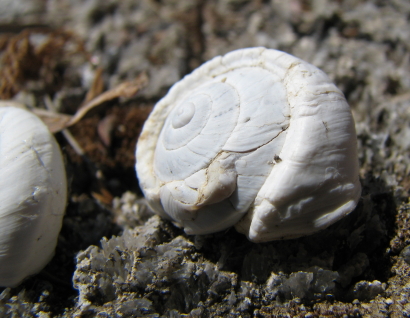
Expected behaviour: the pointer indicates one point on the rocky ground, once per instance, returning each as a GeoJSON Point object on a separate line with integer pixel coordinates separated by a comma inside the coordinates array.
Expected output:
{"type": "Point", "coordinates": [113, 257]}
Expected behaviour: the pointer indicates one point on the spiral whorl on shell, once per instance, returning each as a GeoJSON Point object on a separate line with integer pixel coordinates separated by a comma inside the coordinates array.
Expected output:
{"type": "Point", "coordinates": [256, 138]}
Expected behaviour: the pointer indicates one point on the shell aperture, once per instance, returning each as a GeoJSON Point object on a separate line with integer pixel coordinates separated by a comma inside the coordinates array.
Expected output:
{"type": "Point", "coordinates": [243, 137]}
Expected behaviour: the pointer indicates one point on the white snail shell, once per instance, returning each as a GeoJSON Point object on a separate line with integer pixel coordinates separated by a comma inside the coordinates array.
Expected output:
{"type": "Point", "coordinates": [33, 191]}
{"type": "Point", "coordinates": [256, 138]}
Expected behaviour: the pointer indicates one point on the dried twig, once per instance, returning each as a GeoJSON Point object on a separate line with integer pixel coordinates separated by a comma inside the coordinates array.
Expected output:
{"type": "Point", "coordinates": [66, 133]}
{"type": "Point", "coordinates": [97, 86]}
{"type": "Point", "coordinates": [57, 121]}
{"type": "Point", "coordinates": [54, 121]}
{"type": "Point", "coordinates": [126, 89]}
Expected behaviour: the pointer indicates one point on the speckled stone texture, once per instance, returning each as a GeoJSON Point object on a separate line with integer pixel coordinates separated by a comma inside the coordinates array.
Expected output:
{"type": "Point", "coordinates": [145, 266]}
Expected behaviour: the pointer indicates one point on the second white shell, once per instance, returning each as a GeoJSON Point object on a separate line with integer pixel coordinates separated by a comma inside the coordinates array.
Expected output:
{"type": "Point", "coordinates": [256, 138]}
{"type": "Point", "coordinates": [33, 191]}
